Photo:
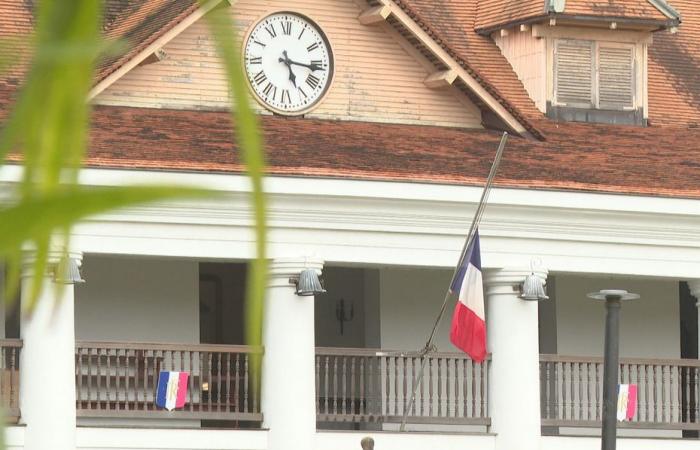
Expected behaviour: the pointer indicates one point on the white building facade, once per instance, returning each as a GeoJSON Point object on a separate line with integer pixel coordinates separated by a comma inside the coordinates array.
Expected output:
{"type": "Point", "coordinates": [373, 188]}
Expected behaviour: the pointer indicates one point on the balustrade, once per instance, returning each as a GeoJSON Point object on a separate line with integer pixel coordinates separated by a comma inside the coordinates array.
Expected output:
{"type": "Point", "coordinates": [364, 385]}
{"type": "Point", "coordinates": [120, 379]}
{"type": "Point", "coordinates": [668, 391]}
{"type": "Point", "coordinates": [9, 377]}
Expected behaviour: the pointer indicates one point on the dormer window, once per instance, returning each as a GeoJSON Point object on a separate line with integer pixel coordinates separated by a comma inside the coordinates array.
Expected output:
{"type": "Point", "coordinates": [596, 81]}
{"type": "Point", "coordinates": [594, 75]}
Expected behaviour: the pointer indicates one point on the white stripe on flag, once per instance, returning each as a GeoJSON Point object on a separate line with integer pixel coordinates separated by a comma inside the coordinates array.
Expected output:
{"type": "Point", "coordinates": [622, 401]}
{"type": "Point", "coordinates": [171, 392]}
{"type": "Point", "coordinates": [471, 293]}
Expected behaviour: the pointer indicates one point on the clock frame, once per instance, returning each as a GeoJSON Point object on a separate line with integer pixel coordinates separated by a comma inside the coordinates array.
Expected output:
{"type": "Point", "coordinates": [288, 62]}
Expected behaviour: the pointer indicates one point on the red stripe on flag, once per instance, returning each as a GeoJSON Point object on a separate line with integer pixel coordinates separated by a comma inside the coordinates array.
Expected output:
{"type": "Point", "coordinates": [468, 332]}
{"type": "Point", "coordinates": [181, 390]}
{"type": "Point", "coordinates": [631, 402]}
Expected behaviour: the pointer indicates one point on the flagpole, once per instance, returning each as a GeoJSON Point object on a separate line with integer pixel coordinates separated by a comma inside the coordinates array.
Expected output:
{"type": "Point", "coordinates": [468, 242]}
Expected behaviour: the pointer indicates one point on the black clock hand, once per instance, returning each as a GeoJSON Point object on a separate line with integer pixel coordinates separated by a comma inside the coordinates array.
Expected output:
{"type": "Point", "coordinates": [287, 62]}
{"type": "Point", "coordinates": [312, 67]}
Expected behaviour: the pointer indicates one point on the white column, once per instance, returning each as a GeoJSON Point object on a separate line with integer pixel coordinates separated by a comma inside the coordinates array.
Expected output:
{"type": "Point", "coordinates": [694, 286]}
{"type": "Point", "coordinates": [514, 386]}
{"type": "Point", "coordinates": [47, 363]}
{"type": "Point", "coordinates": [288, 368]}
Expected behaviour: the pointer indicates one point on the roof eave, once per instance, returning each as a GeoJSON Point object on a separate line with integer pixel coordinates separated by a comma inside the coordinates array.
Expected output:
{"type": "Point", "coordinates": [654, 24]}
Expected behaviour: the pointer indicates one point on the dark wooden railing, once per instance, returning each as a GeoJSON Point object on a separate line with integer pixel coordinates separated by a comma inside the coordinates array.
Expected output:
{"type": "Point", "coordinates": [364, 385]}
{"type": "Point", "coordinates": [668, 392]}
{"type": "Point", "coordinates": [120, 379]}
{"type": "Point", "coordinates": [9, 377]}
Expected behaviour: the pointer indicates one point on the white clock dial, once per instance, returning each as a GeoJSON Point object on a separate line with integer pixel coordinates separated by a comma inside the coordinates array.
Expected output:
{"type": "Point", "coordinates": [288, 62]}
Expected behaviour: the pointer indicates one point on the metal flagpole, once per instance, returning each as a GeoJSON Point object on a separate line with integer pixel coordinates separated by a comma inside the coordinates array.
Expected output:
{"type": "Point", "coordinates": [468, 242]}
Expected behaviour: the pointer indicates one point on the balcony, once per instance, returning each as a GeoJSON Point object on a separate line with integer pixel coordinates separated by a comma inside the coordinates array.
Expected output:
{"type": "Point", "coordinates": [668, 392]}
{"type": "Point", "coordinates": [9, 378]}
{"type": "Point", "coordinates": [118, 380]}
{"type": "Point", "coordinates": [363, 386]}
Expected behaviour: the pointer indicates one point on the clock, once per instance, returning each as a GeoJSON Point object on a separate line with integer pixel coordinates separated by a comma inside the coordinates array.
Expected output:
{"type": "Point", "coordinates": [288, 63]}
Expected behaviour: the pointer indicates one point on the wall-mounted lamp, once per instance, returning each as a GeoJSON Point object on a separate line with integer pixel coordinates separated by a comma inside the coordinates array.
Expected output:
{"type": "Point", "coordinates": [533, 289]}
{"type": "Point", "coordinates": [308, 283]}
{"type": "Point", "coordinates": [68, 272]}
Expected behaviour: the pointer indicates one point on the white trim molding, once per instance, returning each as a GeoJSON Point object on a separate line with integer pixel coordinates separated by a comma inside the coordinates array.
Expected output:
{"type": "Point", "coordinates": [404, 224]}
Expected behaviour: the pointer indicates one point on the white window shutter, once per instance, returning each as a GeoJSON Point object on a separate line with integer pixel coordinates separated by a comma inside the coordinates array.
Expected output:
{"type": "Point", "coordinates": [573, 80]}
{"type": "Point", "coordinates": [616, 77]}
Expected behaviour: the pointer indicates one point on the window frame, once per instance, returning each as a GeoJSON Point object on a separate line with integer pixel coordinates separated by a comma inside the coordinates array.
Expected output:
{"type": "Point", "coordinates": [595, 46]}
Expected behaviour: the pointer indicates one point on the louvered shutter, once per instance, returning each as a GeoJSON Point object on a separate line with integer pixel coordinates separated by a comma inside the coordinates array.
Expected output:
{"type": "Point", "coordinates": [615, 77]}
{"type": "Point", "coordinates": [574, 73]}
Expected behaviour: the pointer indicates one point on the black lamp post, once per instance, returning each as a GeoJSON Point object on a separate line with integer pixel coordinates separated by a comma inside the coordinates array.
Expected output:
{"type": "Point", "coordinates": [613, 299]}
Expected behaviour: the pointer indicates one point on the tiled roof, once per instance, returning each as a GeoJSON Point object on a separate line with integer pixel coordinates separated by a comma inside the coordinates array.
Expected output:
{"type": "Point", "coordinates": [630, 9]}
{"type": "Point", "coordinates": [16, 22]}
{"type": "Point", "coordinates": [663, 159]}
{"type": "Point", "coordinates": [451, 23]}
{"type": "Point", "coordinates": [674, 71]}
{"type": "Point", "coordinates": [493, 13]}
{"type": "Point", "coordinates": [577, 156]}
{"type": "Point", "coordinates": [136, 23]}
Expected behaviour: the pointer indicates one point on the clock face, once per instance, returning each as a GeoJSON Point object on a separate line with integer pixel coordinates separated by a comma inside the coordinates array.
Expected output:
{"type": "Point", "coordinates": [288, 62]}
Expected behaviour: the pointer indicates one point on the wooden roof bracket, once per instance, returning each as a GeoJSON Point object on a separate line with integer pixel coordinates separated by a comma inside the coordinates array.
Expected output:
{"type": "Point", "coordinates": [450, 63]}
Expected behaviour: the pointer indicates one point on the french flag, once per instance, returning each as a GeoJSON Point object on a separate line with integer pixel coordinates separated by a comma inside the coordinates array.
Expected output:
{"type": "Point", "coordinates": [172, 390]}
{"type": "Point", "coordinates": [468, 331]}
{"type": "Point", "coordinates": [626, 401]}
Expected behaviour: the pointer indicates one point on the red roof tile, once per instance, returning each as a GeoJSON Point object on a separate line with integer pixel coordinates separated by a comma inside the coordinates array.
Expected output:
{"type": "Point", "coordinates": [588, 157]}
{"type": "Point", "coordinates": [674, 71]}
{"type": "Point", "coordinates": [138, 23]}
{"type": "Point", "coordinates": [495, 13]}
{"type": "Point", "coordinates": [491, 13]}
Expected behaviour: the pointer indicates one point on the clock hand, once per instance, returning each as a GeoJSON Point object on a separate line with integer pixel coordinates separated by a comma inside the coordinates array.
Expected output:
{"type": "Point", "coordinates": [286, 61]}
{"type": "Point", "coordinates": [312, 67]}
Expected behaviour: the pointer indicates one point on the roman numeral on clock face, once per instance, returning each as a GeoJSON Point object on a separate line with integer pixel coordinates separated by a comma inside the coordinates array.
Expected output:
{"type": "Point", "coordinates": [268, 89]}
{"type": "Point", "coordinates": [286, 98]}
{"type": "Point", "coordinates": [271, 30]}
{"type": "Point", "coordinates": [312, 47]}
{"type": "Point", "coordinates": [312, 81]}
{"type": "Point", "coordinates": [255, 60]}
{"type": "Point", "coordinates": [287, 28]}
{"type": "Point", "coordinates": [260, 78]}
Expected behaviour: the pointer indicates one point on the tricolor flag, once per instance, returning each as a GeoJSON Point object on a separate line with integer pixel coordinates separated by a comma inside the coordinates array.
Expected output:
{"type": "Point", "coordinates": [626, 401]}
{"type": "Point", "coordinates": [172, 390]}
{"type": "Point", "coordinates": [468, 331]}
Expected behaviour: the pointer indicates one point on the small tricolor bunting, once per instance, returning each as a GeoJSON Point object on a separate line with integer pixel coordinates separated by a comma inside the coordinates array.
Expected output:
{"type": "Point", "coordinates": [172, 390]}
{"type": "Point", "coordinates": [626, 401]}
{"type": "Point", "coordinates": [468, 330]}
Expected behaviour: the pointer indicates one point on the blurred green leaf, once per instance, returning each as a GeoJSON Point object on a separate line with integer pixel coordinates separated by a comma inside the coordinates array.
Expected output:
{"type": "Point", "coordinates": [36, 219]}
{"type": "Point", "coordinates": [252, 155]}
{"type": "Point", "coordinates": [46, 213]}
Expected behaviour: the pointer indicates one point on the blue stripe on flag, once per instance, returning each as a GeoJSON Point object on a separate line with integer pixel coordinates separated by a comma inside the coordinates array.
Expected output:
{"type": "Point", "coordinates": [162, 389]}
{"type": "Point", "coordinates": [472, 256]}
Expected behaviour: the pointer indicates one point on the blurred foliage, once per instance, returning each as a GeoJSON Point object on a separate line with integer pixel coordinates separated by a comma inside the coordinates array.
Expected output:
{"type": "Point", "coordinates": [49, 126]}
{"type": "Point", "coordinates": [252, 155]}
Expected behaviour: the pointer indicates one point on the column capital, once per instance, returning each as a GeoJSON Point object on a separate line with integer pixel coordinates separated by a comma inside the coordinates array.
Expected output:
{"type": "Point", "coordinates": [282, 269]}
{"type": "Point", "coordinates": [694, 286]}
{"type": "Point", "coordinates": [511, 275]}
{"type": "Point", "coordinates": [55, 256]}
{"type": "Point", "coordinates": [286, 267]}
